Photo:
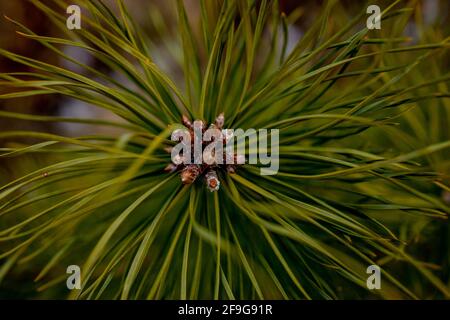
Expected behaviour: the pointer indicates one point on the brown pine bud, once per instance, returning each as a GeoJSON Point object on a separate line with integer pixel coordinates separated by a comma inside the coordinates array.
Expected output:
{"type": "Point", "coordinates": [171, 168]}
{"type": "Point", "coordinates": [220, 120]}
{"type": "Point", "coordinates": [186, 122]}
{"type": "Point", "coordinates": [212, 181]}
{"type": "Point", "coordinates": [190, 173]}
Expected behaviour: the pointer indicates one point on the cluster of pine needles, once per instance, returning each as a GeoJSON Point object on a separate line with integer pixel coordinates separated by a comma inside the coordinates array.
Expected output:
{"type": "Point", "coordinates": [364, 155]}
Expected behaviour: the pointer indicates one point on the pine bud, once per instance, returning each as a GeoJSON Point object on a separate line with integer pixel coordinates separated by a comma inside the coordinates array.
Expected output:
{"type": "Point", "coordinates": [186, 122]}
{"type": "Point", "coordinates": [190, 173]}
{"type": "Point", "coordinates": [171, 168]}
{"type": "Point", "coordinates": [212, 181]}
{"type": "Point", "coordinates": [220, 120]}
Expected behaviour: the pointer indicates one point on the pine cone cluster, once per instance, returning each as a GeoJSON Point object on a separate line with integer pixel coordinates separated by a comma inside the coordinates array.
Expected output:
{"type": "Point", "coordinates": [190, 172]}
